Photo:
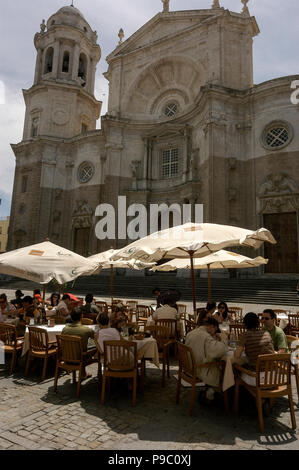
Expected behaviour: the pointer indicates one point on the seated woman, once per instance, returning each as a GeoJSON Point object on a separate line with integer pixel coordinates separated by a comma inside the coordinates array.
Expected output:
{"type": "Point", "coordinates": [254, 342]}
{"type": "Point", "coordinates": [221, 315]}
{"type": "Point", "coordinates": [6, 308]}
{"type": "Point", "coordinates": [54, 299]}
{"type": "Point", "coordinates": [118, 318]}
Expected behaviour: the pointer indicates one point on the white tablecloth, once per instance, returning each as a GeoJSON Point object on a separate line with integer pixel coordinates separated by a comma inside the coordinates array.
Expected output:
{"type": "Point", "coordinates": [52, 332]}
{"type": "Point", "coordinates": [148, 349]}
{"type": "Point", "coordinates": [283, 320]}
{"type": "Point", "coordinates": [229, 378]}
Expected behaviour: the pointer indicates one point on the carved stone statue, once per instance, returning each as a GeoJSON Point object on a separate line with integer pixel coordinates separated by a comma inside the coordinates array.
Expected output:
{"type": "Point", "coordinates": [165, 6]}
{"type": "Point", "coordinates": [245, 10]}
{"type": "Point", "coordinates": [216, 4]}
{"type": "Point", "coordinates": [43, 27]}
{"type": "Point", "coordinates": [121, 36]}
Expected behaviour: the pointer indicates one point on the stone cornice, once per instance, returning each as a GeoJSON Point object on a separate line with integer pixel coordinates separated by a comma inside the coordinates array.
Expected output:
{"type": "Point", "coordinates": [67, 87]}
{"type": "Point", "coordinates": [204, 17]}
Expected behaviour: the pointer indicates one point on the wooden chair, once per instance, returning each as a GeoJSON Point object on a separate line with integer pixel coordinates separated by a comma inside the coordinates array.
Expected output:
{"type": "Point", "coordinates": [277, 311]}
{"type": "Point", "coordinates": [162, 335]}
{"type": "Point", "coordinates": [40, 347]}
{"type": "Point", "coordinates": [189, 326]}
{"type": "Point", "coordinates": [59, 319]}
{"type": "Point", "coordinates": [87, 321]}
{"type": "Point", "coordinates": [188, 371]}
{"type": "Point", "coordinates": [294, 368]}
{"type": "Point", "coordinates": [89, 316]}
{"type": "Point", "coordinates": [293, 324]}
{"type": "Point", "coordinates": [276, 369]}
{"type": "Point", "coordinates": [142, 312]}
{"type": "Point", "coordinates": [236, 314]}
{"type": "Point", "coordinates": [72, 358]}
{"type": "Point", "coordinates": [102, 306]}
{"type": "Point", "coordinates": [238, 329]}
{"type": "Point", "coordinates": [120, 361]}
{"type": "Point", "coordinates": [12, 344]}
{"type": "Point", "coordinates": [182, 310]}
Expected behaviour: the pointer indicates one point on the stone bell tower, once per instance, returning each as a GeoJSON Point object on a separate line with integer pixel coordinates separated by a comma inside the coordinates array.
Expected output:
{"type": "Point", "coordinates": [61, 102]}
{"type": "Point", "coordinates": [60, 111]}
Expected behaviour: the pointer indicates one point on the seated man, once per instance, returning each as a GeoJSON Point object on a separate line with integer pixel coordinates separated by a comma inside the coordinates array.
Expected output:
{"type": "Point", "coordinates": [255, 342]}
{"type": "Point", "coordinates": [277, 334]}
{"type": "Point", "coordinates": [167, 311]}
{"type": "Point", "coordinates": [105, 333]}
{"type": "Point", "coordinates": [29, 309]}
{"type": "Point", "coordinates": [77, 329]}
{"type": "Point", "coordinates": [207, 346]}
{"type": "Point", "coordinates": [89, 306]}
{"type": "Point", "coordinates": [65, 306]}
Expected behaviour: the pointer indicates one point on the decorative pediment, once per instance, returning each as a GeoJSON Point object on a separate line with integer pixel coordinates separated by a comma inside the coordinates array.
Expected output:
{"type": "Point", "coordinates": [167, 130]}
{"type": "Point", "coordinates": [278, 184]}
{"type": "Point", "coordinates": [278, 193]}
{"type": "Point", "coordinates": [160, 27]}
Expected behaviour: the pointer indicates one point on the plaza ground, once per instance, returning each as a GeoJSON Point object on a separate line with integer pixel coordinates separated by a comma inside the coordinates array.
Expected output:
{"type": "Point", "coordinates": [32, 416]}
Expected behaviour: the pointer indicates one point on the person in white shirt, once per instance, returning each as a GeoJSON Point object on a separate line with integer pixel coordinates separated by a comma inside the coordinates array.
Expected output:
{"type": "Point", "coordinates": [105, 333]}
{"type": "Point", "coordinates": [6, 308]}
{"type": "Point", "coordinates": [207, 346]}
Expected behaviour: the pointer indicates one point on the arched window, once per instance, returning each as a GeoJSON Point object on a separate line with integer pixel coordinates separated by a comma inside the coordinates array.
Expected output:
{"type": "Point", "coordinates": [66, 62]}
{"type": "Point", "coordinates": [49, 60]}
{"type": "Point", "coordinates": [82, 69]}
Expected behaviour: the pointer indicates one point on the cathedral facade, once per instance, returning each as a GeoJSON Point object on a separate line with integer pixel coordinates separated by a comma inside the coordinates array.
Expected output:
{"type": "Point", "coordinates": [185, 124]}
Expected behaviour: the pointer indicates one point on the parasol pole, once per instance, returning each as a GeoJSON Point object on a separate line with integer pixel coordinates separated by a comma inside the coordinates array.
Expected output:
{"type": "Point", "coordinates": [193, 281]}
{"type": "Point", "coordinates": [44, 294]}
{"type": "Point", "coordinates": [111, 283]}
{"type": "Point", "coordinates": [209, 284]}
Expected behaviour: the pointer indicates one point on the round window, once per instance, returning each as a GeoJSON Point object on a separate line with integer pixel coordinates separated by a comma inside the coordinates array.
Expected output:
{"type": "Point", "coordinates": [85, 172]}
{"type": "Point", "coordinates": [170, 110]}
{"type": "Point", "coordinates": [277, 135]}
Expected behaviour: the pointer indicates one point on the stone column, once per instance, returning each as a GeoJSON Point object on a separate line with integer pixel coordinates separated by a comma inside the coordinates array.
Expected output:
{"type": "Point", "coordinates": [92, 75]}
{"type": "Point", "coordinates": [38, 65]}
{"type": "Point", "coordinates": [56, 59]}
{"type": "Point", "coordinates": [76, 55]}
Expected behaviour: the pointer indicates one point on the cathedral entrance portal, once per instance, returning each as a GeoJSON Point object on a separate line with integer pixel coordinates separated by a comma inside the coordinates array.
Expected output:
{"type": "Point", "coordinates": [283, 257]}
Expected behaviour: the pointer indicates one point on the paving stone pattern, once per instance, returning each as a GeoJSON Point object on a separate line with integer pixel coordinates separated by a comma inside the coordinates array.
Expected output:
{"type": "Point", "coordinates": [33, 417]}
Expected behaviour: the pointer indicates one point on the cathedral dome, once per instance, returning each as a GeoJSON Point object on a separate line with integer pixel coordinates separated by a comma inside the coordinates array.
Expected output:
{"type": "Point", "coordinates": [70, 10]}
{"type": "Point", "coordinates": [69, 16]}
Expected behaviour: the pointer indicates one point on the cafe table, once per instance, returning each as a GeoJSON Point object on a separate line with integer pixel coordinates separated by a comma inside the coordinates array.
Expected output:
{"type": "Point", "coordinates": [228, 377]}
{"type": "Point", "coordinates": [52, 332]}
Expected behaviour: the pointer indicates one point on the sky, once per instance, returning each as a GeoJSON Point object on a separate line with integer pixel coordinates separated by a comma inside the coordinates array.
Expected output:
{"type": "Point", "coordinates": [276, 51]}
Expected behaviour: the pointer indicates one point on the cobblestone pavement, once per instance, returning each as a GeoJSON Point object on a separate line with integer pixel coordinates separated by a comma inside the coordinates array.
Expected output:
{"type": "Point", "coordinates": [32, 416]}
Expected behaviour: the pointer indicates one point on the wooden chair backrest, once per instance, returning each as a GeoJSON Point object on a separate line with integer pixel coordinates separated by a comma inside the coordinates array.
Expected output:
{"type": "Point", "coordinates": [276, 369]}
{"type": "Point", "coordinates": [294, 321]}
{"type": "Point", "coordinates": [161, 335]}
{"type": "Point", "coordinates": [132, 304]}
{"type": "Point", "coordinates": [290, 341]}
{"type": "Point", "coordinates": [143, 311]}
{"type": "Point", "coordinates": [238, 329]}
{"type": "Point", "coordinates": [70, 349]}
{"type": "Point", "coordinates": [236, 313]}
{"type": "Point", "coordinates": [182, 309]}
{"type": "Point", "coordinates": [59, 319]}
{"type": "Point", "coordinates": [102, 306]}
{"type": "Point", "coordinates": [189, 326]}
{"type": "Point", "coordinates": [87, 321]}
{"type": "Point", "coordinates": [277, 310]}
{"type": "Point", "coordinates": [38, 338]}
{"type": "Point", "coordinates": [120, 356]}
{"type": "Point", "coordinates": [8, 334]}
{"type": "Point", "coordinates": [186, 360]}
{"type": "Point", "coordinates": [171, 324]}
